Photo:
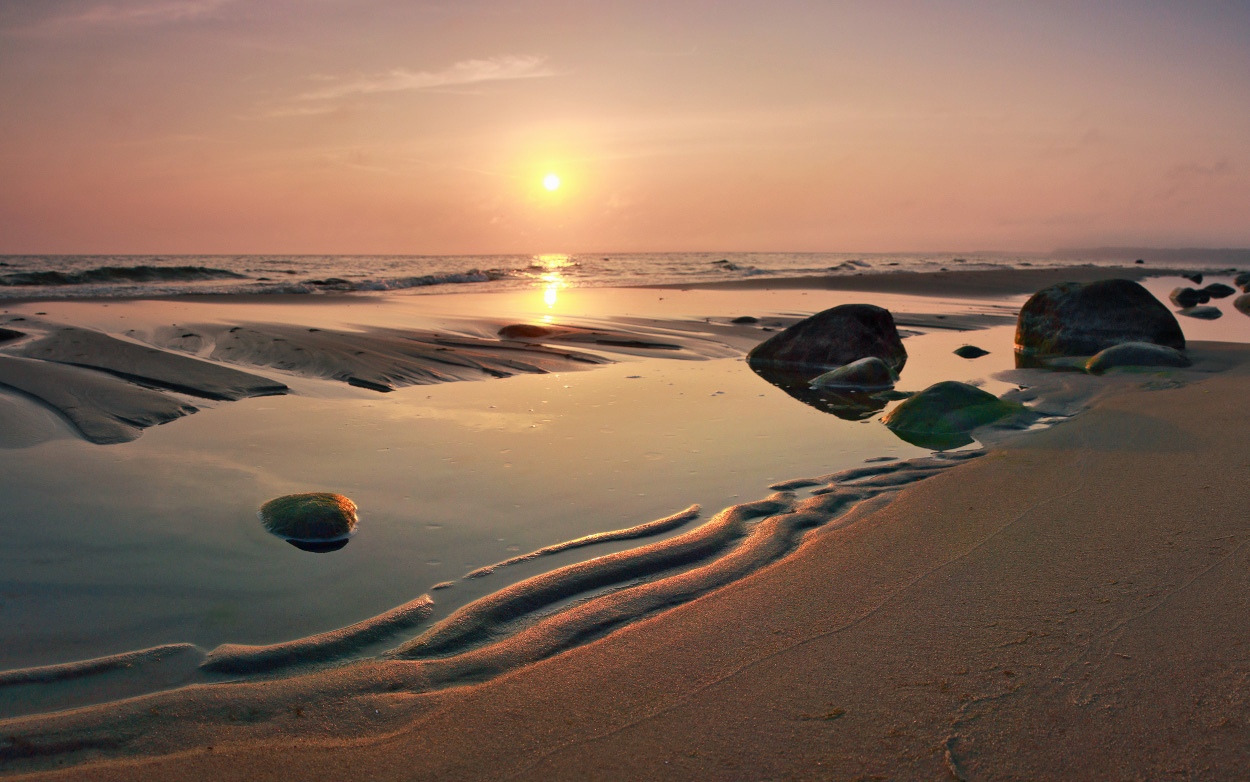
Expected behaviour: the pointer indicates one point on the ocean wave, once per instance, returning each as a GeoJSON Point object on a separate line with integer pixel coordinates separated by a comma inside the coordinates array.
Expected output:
{"type": "Point", "coordinates": [338, 284]}
{"type": "Point", "coordinates": [108, 274]}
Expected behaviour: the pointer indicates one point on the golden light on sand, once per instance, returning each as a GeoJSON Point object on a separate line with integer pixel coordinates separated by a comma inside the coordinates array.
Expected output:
{"type": "Point", "coordinates": [551, 182]}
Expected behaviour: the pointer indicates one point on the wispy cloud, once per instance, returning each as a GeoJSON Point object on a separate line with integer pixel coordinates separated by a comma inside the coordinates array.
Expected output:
{"type": "Point", "coordinates": [1187, 177]}
{"type": "Point", "coordinates": [103, 16]}
{"type": "Point", "coordinates": [505, 68]}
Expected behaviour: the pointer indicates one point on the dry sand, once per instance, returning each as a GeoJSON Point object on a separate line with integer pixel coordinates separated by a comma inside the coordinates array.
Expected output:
{"type": "Point", "coordinates": [1072, 605]}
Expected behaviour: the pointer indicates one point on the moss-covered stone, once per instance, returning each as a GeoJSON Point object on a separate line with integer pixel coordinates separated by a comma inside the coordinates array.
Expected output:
{"type": "Point", "coordinates": [948, 408]}
{"type": "Point", "coordinates": [314, 516]}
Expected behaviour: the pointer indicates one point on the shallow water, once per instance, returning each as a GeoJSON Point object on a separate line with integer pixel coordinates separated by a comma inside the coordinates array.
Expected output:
{"type": "Point", "coordinates": [110, 549]}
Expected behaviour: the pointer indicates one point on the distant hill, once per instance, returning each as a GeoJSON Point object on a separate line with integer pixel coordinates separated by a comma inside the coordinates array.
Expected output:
{"type": "Point", "coordinates": [1183, 255]}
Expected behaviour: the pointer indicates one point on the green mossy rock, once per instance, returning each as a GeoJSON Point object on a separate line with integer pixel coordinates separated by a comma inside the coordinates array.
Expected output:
{"type": "Point", "coordinates": [315, 516]}
{"type": "Point", "coordinates": [949, 408]}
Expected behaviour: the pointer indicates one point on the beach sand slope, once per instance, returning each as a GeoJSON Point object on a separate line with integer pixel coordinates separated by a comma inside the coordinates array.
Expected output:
{"type": "Point", "coordinates": [1073, 605]}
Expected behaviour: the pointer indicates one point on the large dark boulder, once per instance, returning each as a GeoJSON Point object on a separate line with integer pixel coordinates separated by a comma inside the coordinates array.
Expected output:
{"type": "Point", "coordinates": [1242, 280]}
{"type": "Point", "coordinates": [831, 339]}
{"type": "Point", "coordinates": [1080, 319]}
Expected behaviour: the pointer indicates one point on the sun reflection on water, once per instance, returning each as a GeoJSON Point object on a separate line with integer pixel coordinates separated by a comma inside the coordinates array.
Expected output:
{"type": "Point", "coordinates": [551, 276]}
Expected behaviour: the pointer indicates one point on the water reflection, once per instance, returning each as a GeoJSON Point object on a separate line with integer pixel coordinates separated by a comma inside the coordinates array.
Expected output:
{"type": "Point", "coordinates": [319, 546]}
{"type": "Point", "coordinates": [551, 275]}
{"type": "Point", "coordinates": [847, 405]}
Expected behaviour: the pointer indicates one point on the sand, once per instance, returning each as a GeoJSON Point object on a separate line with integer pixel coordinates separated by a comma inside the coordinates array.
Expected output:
{"type": "Point", "coordinates": [1071, 604]}
{"type": "Point", "coordinates": [990, 284]}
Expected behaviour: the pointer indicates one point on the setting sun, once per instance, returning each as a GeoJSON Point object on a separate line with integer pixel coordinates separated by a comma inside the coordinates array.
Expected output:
{"type": "Point", "coordinates": [551, 182]}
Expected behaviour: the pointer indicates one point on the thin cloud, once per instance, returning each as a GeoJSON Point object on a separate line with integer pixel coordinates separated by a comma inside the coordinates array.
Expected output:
{"type": "Point", "coordinates": [1189, 176]}
{"type": "Point", "coordinates": [504, 68]}
{"type": "Point", "coordinates": [118, 15]}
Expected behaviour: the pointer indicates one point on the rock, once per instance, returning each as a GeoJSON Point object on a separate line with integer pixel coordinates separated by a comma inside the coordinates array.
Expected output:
{"type": "Point", "coordinates": [525, 331]}
{"type": "Point", "coordinates": [1139, 260]}
{"type": "Point", "coordinates": [1242, 303]}
{"type": "Point", "coordinates": [970, 351]}
{"type": "Point", "coordinates": [1188, 297]}
{"type": "Point", "coordinates": [1218, 290]}
{"type": "Point", "coordinates": [867, 374]}
{"type": "Point", "coordinates": [1136, 354]}
{"type": "Point", "coordinates": [1196, 279]}
{"type": "Point", "coordinates": [1202, 313]}
{"type": "Point", "coordinates": [8, 335]}
{"type": "Point", "coordinates": [1080, 319]}
{"type": "Point", "coordinates": [833, 338]}
{"type": "Point", "coordinates": [942, 415]}
{"type": "Point", "coordinates": [745, 319]}
{"type": "Point", "coordinates": [1242, 280]}
{"type": "Point", "coordinates": [318, 520]}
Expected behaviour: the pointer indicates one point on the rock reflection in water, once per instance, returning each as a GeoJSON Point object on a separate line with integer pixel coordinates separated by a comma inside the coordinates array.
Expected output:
{"type": "Point", "coordinates": [845, 404]}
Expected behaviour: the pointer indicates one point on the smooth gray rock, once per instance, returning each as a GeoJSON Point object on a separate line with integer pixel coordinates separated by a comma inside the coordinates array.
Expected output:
{"type": "Point", "coordinates": [1201, 312]}
{"type": "Point", "coordinates": [833, 338]}
{"type": "Point", "coordinates": [1136, 354]}
{"type": "Point", "coordinates": [1218, 290]}
{"type": "Point", "coordinates": [1080, 319]}
{"type": "Point", "coordinates": [867, 374]}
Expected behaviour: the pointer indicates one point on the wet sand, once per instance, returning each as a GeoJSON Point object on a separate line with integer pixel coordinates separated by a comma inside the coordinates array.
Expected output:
{"type": "Point", "coordinates": [990, 284]}
{"type": "Point", "coordinates": [1072, 600]}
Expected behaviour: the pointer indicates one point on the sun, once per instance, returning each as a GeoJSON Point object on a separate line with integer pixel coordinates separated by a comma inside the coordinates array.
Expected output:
{"type": "Point", "coordinates": [551, 182]}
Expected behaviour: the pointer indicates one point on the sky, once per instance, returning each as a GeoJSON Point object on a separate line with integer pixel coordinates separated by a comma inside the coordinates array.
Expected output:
{"type": "Point", "coordinates": [410, 127]}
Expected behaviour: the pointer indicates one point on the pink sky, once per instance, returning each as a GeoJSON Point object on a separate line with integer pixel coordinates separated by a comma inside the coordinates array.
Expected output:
{"type": "Point", "coordinates": [392, 126]}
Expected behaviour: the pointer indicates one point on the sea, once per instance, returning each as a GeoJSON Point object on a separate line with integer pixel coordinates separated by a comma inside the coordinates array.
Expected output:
{"type": "Point", "coordinates": [145, 276]}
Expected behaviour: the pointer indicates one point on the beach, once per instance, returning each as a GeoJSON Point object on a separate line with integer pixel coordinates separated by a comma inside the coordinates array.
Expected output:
{"type": "Point", "coordinates": [1063, 595]}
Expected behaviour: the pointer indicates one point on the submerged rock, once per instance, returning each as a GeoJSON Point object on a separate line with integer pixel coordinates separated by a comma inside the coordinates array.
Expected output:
{"type": "Point", "coordinates": [315, 521]}
{"type": "Point", "coordinates": [1203, 313]}
{"type": "Point", "coordinates": [741, 319]}
{"type": "Point", "coordinates": [867, 374]}
{"type": "Point", "coordinates": [8, 335]}
{"type": "Point", "coordinates": [1196, 279]}
{"type": "Point", "coordinates": [1218, 290]}
{"type": "Point", "coordinates": [1188, 297]}
{"type": "Point", "coordinates": [942, 415]}
{"type": "Point", "coordinates": [833, 338]}
{"type": "Point", "coordinates": [525, 331]}
{"type": "Point", "coordinates": [970, 351]}
{"type": "Point", "coordinates": [1080, 319]}
{"type": "Point", "coordinates": [1136, 354]}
